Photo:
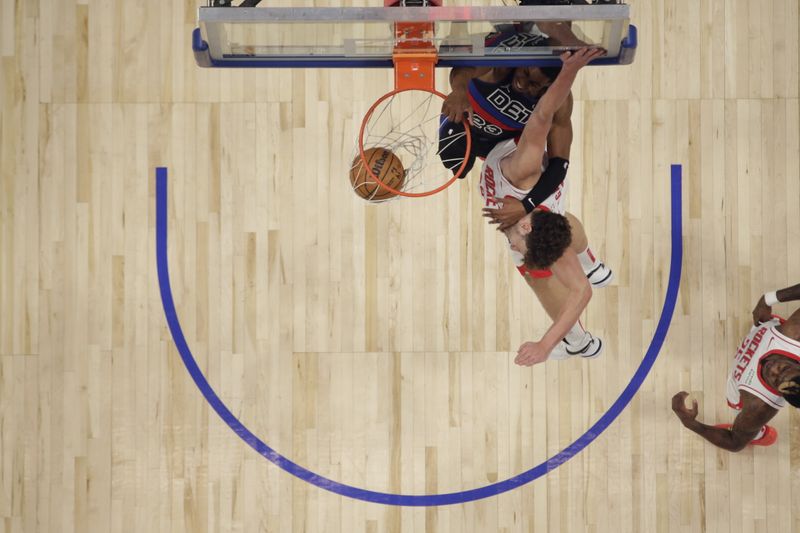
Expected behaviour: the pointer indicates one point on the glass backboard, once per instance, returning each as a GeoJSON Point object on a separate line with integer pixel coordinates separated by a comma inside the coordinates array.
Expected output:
{"type": "Point", "coordinates": [366, 36]}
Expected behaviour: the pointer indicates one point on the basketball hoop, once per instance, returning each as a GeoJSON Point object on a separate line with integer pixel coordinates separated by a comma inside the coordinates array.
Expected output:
{"type": "Point", "coordinates": [408, 121]}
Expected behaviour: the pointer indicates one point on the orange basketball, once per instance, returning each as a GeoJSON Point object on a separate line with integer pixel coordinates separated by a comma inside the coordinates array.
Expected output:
{"type": "Point", "coordinates": [385, 165]}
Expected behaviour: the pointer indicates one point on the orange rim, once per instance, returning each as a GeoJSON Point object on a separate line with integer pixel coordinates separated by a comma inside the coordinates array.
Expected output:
{"type": "Point", "coordinates": [377, 179]}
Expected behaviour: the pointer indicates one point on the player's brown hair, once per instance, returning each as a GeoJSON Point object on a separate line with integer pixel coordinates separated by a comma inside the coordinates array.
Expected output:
{"type": "Point", "coordinates": [550, 236]}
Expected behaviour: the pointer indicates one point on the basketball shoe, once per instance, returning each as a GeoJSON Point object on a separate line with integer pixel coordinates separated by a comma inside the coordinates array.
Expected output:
{"type": "Point", "coordinates": [600, 275]}
{"type": "Point", "coordinates": [589, 348]}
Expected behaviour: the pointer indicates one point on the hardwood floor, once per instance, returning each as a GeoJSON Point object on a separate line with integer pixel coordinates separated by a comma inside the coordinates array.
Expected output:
{"type": "Point", "coordinates": [373, 344]}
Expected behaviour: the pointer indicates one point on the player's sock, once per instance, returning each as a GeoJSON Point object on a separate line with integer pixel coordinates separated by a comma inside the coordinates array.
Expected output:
{"type": "Point", "coordinates": [587, 259]}
{"type": "Point", "coordinates": [576, 336]}
{"type": "Point", "coordinates": [598, 273]}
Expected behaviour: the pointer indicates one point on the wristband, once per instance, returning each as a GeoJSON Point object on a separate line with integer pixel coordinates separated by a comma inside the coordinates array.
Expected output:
{"type": "Point", "coordinates": [549, 182]}
{"type": "Point", "coordinates": [528, 204]}
{"type": "Point", "coordinates": [771, 298]}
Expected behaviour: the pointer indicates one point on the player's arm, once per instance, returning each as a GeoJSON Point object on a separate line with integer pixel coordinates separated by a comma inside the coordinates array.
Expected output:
{"type": "Point", "coordinates": [560, 33]}
{"type": "Point", "coordinates": [559, 142]}
{"type": "Point", "coordinates": [559, 139]}
{"type": "Point", "coordinates": [763, 309]}
{"type": "Point", "coordinates": [460, 76]}
{"type": "Point", "coordinates": [569, 272]}
{"type": "Point", "coordinates": [567, 269]}
{"type": "Point", "coordinates": [457, 102]}
{"type": "Point", "coordinates": [527, 159]}
{"type": "Point", "coordinates": [753, 416]}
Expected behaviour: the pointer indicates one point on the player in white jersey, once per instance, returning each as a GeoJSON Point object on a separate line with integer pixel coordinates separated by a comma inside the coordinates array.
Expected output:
{"type": "Point", "coordinates": [551, 292]}
{"type": "Point", "coordinates": [764, 376]}
{"type": "Point", "coordinates": [552, 268]}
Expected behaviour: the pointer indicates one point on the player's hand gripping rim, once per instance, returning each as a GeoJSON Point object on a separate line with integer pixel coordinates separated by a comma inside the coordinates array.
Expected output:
{"type": "Point", "coordinates": [577, 59]}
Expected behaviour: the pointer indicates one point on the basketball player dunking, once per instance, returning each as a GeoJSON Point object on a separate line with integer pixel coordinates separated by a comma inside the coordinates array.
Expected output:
{"type": "Point", "coordinates": [541, 240]}
{"type": "Point", "coordinates": [764, 376]}
{"type": "Point", "coordinates": [498, 103]}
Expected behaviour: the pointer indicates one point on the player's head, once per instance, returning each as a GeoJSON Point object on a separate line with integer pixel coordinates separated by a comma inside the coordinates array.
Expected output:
{"type": "Point", "coordinates": [783, 373]}
{"type": "Point", "coordinates": [533, 81]}
{"type": "Point", "coordinates": [541, 236]}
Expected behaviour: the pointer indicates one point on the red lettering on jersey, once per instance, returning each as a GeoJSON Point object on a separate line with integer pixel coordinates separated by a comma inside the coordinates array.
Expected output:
{"type": "Point", "coordinates": [559, 191]}
{"type": "Point", "coordinates": [489, 193]}
{"type": "Point", "coordinates": [745, 358]}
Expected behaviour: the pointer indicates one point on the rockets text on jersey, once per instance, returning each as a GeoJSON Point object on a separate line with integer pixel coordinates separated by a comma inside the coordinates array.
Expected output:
{"type": "Point", "coordinates": [749, 349]}
{"type": "Point", "coordinates": [488, 187]}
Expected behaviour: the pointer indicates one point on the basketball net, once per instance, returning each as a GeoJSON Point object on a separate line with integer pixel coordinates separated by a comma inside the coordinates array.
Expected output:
{"type": "Point", "coordinates": [407, 121]}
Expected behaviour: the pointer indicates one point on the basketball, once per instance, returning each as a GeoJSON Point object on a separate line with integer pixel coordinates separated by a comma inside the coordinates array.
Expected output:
{"type": "Point", "coordinates": [385, 165]}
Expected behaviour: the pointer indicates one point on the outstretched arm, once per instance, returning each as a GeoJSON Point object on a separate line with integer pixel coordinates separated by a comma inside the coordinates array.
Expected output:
{"type": "Point", "coordinates": [569, 272]}
{"type": "Point", "coordinates": [559, 142]}
{"type": "Point", "coordinates": [560, 33]}
{"type": "Point", "coordinates": [748, 422]}
{"type": "Point", "coordinates": [527, 159]}
{"type": "Point", "coordinates": [559, 138]}
{"type": "Point", "coordinates": [763, 309]}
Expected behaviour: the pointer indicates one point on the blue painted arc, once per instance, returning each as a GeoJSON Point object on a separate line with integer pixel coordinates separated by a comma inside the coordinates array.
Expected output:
{"type": "Point", "coordinates": [419, 500]}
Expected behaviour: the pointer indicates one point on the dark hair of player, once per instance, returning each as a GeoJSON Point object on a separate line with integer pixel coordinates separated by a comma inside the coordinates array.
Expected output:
{"type": "Point", "coordinates": [791, 392]}
{"type": "Point", "coordinates": [549, 237]}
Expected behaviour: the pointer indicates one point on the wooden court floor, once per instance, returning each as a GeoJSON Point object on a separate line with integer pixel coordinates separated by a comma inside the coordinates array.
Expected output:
{"type": "Point", "coordinates": [373, 344]}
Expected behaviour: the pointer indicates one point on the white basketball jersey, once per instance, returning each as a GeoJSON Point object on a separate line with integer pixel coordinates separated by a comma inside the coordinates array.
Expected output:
{"type": "Point", "coordinates": [762, 341]}
{"type": "Point", "coordinates": [494, 185]}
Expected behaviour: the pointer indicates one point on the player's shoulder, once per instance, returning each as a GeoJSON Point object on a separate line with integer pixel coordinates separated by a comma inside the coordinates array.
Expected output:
{"type": "Point", "coordinates": [756, 407]}
{"type": "Point", "coordinates": [502, 148]}
{"type": "Point", "coordinates": [568, 266]}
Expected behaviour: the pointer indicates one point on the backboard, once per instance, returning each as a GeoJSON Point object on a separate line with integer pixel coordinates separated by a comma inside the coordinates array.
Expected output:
{"type": "Point", "coordinates": [359, 37]}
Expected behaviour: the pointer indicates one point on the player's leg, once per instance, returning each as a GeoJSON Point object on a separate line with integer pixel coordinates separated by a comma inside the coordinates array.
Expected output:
{"type": "Point", "coordinates": [598, 273]}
